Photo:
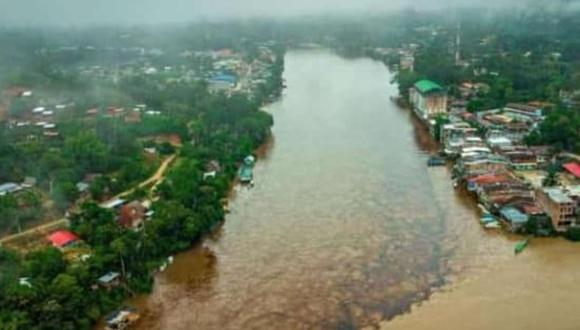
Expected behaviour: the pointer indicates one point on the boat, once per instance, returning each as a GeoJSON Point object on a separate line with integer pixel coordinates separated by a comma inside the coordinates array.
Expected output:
{"type": "Point", "coordinates": [435, 161]}
{"type": "Point", "coordinates": [482, 208]}
{"type": "Point", "coordinates": [247, 170]}
{"type": "Point", "coordinates": [121, 318]}
{"type": "Point", "coordinates": [246, 174]}
{"type": "Point", "coordinates": [521, 245]}
{"type": "Point", "coordinates": [492, 225]}
{"type": "Point", "coordinates": [487, 218]}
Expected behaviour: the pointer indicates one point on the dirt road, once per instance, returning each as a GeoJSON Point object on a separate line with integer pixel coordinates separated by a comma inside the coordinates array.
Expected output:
{"type": "Point", "coordinates": [45, 228]}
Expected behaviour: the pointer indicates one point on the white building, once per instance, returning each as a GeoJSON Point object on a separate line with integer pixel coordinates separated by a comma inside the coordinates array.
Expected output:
{"type": "Point", "coordinates": [428, 99]}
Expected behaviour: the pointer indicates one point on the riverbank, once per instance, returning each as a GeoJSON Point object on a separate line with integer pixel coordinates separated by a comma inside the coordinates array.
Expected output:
{"type": "Point", "coordinates": [530, 291]}
{"type": "Point", "coordinates": [343, 211]}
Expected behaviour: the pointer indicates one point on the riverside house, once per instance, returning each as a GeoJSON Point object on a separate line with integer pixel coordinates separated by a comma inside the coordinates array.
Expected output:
{"type": "Point", "coordinates": [428, 99]}
{"type": "Point", "coordinates": [559, 206]}
{"type": "Point", "coordinates": [523, 112]}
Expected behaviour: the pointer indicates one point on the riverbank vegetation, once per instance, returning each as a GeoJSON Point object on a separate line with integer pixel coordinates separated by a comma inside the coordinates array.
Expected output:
{"type": "Point", "coordinates": [49, 289]}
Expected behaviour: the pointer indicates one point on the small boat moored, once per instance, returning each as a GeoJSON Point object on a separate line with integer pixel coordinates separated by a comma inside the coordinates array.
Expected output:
{"type": "Point", "coordinates": [121, 318]}
{"type": "Point", "coordinates": [492, 225]}
{"type": "Point", "coordinates": [520, 246]}
{"type": "Point", "coordinates": [247, 170]}
{"type": "Point", "coordinates": [435, 161]}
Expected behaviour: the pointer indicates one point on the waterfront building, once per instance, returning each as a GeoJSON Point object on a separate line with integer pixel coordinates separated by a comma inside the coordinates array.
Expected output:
{"type": "Point", "coordinates": [496, 139]}
{"type": "Point", "coordinates": [559, 206]}
{"type": "Point", "coordinates": [472, 164]}
{"type": "Point", "coordinates": [523, 112]}
{"type": "Point", "coordinates": [428, 99]}
{"type": "Point", "coordinates": [514, 217]}
{"type": "Point", "coordinates": [521, 160]}
{"type": "Point", "coordinates": [453, 136]}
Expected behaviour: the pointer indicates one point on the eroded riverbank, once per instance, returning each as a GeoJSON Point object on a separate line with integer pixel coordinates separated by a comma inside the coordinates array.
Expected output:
{"type": "Point", "coordinates": [346, 227]}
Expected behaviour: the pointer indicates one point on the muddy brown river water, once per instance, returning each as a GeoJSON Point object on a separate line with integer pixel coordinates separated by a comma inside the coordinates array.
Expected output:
{"type": "Point", "coordinates": [346, 228]}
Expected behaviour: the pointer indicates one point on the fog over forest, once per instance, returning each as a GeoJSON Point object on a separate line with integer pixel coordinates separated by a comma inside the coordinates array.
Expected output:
{"type": "Point", "coordinates": [135, 12]}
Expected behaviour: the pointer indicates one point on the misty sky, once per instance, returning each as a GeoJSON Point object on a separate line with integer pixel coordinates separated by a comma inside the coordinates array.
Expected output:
{"type": "Point", "coordinates": [75, 12]}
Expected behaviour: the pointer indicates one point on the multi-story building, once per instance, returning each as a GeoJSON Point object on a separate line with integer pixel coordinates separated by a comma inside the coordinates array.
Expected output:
{"type": "Point", "coordinates": [428, 99]}
{"type": "Point", "coordinates": [559, 206]}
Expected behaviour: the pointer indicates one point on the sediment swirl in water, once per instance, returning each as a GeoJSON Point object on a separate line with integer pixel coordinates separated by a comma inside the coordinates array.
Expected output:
{"type": "Point", "coordinates": [345, 228]}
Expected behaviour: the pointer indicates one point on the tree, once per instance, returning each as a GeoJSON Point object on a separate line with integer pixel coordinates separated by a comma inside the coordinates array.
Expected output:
{"type": "Point", "coordinates": [87, 151]}
{"type": "Point", "coordinates": [552, 179]}
{"type": "Point", "coordinates": [45, 264]}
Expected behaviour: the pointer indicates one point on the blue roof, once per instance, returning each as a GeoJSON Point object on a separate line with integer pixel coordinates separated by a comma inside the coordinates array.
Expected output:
{"type": "Point", "coordinates": [225, 77]}
{"type": "Point", "coordinates": [513, 215]}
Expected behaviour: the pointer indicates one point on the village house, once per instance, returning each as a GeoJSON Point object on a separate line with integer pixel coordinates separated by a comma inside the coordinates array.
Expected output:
{"type": "Point", "coordinates": [498, 141]}
{"type": "Point", "coordinates": [469, 89]}
{"type": "Point", "coordinates": [497, 195]}
{"type": "Point", "coordinates": [9, 188]}
{"type": "Point", "coordinates": [222, 82]}
{"type": "Point", "coordinates": [520, 158]}
{"type": "Point", "coordinates": [115, 112]}
{"type": "Point", "coordinates": [523, 112]}
{"type": "Point", "coordinates": [514, 217]}
{"type": "Point", "coordinates": [574, 193]}
{"type": "Point", "coordinates": [453, 136]}
{"type": "Point", "coordinates": [573, 169]}
{"type": "Point", "coordinates": [109, 280]}
{"type": "Point", "coordinates": [133, 117]}
{"type": "Point", "coordinates": [428, 99]}
{"type": "Point", "coordinates": [504, 125]}
{"type": "Point", "coordinates": [477, 181]}
{"type": "Point", "coordinates": [407, 62]}
{"type": "Point", "coordinates": [458, 107]}
{"type": "Point", "coordinates": [559, 206]}
{"type": "Point", "coordinates": [131, 215]}
{"type": "Point", "coordinates": [92, 112]}
{"type": "Point", "coordinates": [82, 187]}
{"type": "Point", "coordinates": [62, 239]}
{"type": "Point", "coordinates": [470, 165]}
{"type": "Point", "coordinates": [28, 182]}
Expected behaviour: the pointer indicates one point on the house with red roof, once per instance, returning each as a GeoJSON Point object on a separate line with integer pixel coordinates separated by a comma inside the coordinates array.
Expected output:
{"type": "Point", "coordinates": [573, 168]}
{"type": "Point", "coordinates": [63, 238]}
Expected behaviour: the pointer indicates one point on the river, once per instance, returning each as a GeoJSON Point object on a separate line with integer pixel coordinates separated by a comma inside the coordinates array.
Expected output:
{"type": "Point", "coordinates": [346, 228]}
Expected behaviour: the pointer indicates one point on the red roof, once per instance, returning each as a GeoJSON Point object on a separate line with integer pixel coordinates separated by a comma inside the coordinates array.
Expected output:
{"type": "Point", "coordinates": [131, 214]}
{"type": "Point", "coordinates": [62, 238]}
{"type": "Point", "coordinates": [488, 178]}
{"type": "Point", "coordinates": [573, 168]}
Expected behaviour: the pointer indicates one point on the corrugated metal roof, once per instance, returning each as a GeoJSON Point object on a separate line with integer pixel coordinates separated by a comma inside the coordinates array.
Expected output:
{"type": "Point", "coordinates": [573, 168]}
{"type": "Point", "coordinates": [425, 86]}
{"type": "Point", "coordinates": [62, 237]}
{"type": "Point", "coordinates": [513, 215]}
{"type": "Point", "coordinates": [557, 195]}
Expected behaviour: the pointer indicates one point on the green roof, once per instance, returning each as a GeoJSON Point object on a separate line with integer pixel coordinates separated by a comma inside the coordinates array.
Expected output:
{"type": "Point", "coordinates": [425, 86]}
